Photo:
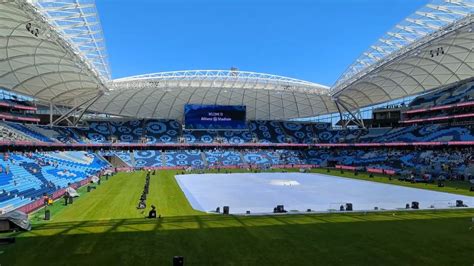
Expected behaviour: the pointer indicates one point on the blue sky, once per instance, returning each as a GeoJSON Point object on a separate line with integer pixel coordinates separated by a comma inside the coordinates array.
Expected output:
{"type": "Point", "coordinates": [315, 40]}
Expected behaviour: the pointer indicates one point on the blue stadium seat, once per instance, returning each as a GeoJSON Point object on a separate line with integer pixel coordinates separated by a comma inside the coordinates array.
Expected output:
{"type": "Point", "coordinates": [98, 132]}
{"type": "Point", "coordinates": [453, 94]}
{"type": "Point", "coordinates": [223, 158]}
{"type": "Point", "coordinates": [162, 131]}
{"type": "Point", "coordinates": [237, 137]}
{"type": "Point", "coordinates": [208, 136]}
{"type": "Point", "coordinates": [184, 158]}
{"type": "Point", "coordinates": [32, 174]}
{"type": "Point", "coordinates": [268, 131]}
{"type": "Point", "coordinates": [127, 131]}
{"type": "Point", "coordinates": [148, 158]}
{"type": "Point", "coordinates": [262, 157]}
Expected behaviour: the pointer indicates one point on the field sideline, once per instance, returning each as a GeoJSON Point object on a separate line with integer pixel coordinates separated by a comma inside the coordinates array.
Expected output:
{"type": "Point", "coordinates": [104, 228]}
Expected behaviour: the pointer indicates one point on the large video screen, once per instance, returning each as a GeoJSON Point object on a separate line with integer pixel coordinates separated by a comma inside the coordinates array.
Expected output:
{"type": "Point", "coordinates": [218, 117]}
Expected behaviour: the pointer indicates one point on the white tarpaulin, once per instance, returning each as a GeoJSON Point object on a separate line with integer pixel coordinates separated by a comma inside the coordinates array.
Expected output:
{"type": "Point", "coordinates": [17, 219]}
{"type": "Point", "coordinates": [108, 172]}
{"type": "Point", "coordinates": [260, 193]}
{"type": "Point", "coordinates": [72, 192]}
{"type": "Point", "coordinates": [94, 179]}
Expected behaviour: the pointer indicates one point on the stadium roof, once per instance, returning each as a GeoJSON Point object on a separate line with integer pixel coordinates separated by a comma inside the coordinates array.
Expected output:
{"type": "Point", "coordinates": [41, 57]}
{"type": "Point", "coordinates": [163, 95]}
{"type": "Point", "coordinates": [78, 22]}
{"type": "Point", "coordinates": [431, 48]}
{"type": "Point", "coordinates": [54, 51]}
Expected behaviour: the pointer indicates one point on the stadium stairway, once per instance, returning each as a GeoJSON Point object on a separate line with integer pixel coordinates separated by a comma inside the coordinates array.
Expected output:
{"type": "Point", "coordinates": [102, 158]}
{"type": "Point", "coordinates": [119, 158]}
{"type": "Point", "coordinates": [204, 159]}
{"type": "Point", "coordinates": [127, 158]}
{"type": "Point", "coordinates": [132, 158]}
{"type": "Point", "coordinates": [163, 158]}
{"type": "Point", "coordinates": [242, 159]}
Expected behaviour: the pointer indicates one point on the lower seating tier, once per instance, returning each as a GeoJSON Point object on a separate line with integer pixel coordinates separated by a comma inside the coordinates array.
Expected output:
{"type": "Point", "coordinates": [25, 177]}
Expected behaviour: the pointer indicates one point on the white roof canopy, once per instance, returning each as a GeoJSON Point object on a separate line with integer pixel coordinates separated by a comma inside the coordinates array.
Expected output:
{"type": "Point", "coordinates": [36, 60]}
{"type": "Point", "coordinates": [431, 48]}
{"type": "Point", "coordinates": [78, 22]}
{"type": "Point", "coordinates": [54, 51]}
{"type": "Point", "coordinates": [163, 95]}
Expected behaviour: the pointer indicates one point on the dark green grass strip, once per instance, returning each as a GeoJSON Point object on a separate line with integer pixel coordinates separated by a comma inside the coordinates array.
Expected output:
{"type": "Point", "coordinates": [55, 208]}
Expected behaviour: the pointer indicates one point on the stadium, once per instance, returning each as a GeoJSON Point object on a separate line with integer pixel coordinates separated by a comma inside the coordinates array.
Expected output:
{"type": "Point", "coordinates": [233, 167]}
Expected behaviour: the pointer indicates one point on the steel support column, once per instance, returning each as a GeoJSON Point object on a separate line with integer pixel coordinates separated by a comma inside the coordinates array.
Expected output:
{"type": "Point", "coordinates": [76, 112]}
{"type": "Point", "coordinates": [350, 115]}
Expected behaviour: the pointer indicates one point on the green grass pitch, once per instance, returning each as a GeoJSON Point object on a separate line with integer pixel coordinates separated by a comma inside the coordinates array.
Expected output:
{"type": "Point", "coordinates": [104, 227]}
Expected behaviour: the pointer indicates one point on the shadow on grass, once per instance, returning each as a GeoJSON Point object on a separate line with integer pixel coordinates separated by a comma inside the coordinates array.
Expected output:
{"type": "Point", "coordinates": [219, 221]}
{"type": "Point", "coordinates": [257, 240]}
